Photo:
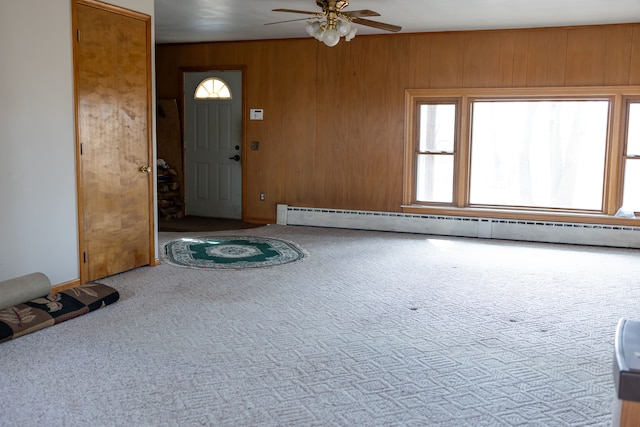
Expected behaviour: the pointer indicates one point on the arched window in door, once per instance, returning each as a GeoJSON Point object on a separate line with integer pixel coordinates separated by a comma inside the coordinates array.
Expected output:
{"type": "Point", "coordinates": [212, 88]}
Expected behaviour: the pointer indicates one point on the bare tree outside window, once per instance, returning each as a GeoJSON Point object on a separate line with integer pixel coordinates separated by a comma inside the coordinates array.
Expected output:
{"type": "Point", "coordinates": [541, 154]}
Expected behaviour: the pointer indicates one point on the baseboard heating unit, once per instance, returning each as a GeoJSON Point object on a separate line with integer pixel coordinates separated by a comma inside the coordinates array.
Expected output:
{"type": "Point", "coordinates": [487, 228]}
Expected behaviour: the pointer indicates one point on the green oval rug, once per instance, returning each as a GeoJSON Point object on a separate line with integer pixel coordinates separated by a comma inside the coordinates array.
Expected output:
{"type": "Point", "coordinates": [231, 252]}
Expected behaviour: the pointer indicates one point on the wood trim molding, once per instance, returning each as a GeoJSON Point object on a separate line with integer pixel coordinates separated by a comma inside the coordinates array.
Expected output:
{"type": "Point", "coordinates": [66, 285]}
{"type": "Point", "coordinates": [409, 142]}
{"type": "Point", "coordinates": [114, 9]}
{"type": "Point", "coordinates": [579, 92]}
{"type": "Point", "coordinates": [151, 125]}
{"type": "Point", "coordinates": [76, 115]}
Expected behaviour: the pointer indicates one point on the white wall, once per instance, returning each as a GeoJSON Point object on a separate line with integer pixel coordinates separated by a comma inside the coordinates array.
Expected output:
{"type": "Point", "coordinates": [38, 208]}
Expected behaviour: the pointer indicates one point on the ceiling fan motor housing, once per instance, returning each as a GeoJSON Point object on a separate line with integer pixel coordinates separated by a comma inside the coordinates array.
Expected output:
{"type": "Point", "coordinates": [332, 6]}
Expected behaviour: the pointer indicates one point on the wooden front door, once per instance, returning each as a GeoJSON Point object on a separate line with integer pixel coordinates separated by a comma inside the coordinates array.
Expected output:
{"type": "Point", "coordinates": [112, 60]}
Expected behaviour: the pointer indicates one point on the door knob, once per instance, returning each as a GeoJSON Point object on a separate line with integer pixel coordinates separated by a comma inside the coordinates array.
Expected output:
{"type": "Point", "coordinates": [145, 169]}
{"type": "Point", "coordinates": [236, 158]}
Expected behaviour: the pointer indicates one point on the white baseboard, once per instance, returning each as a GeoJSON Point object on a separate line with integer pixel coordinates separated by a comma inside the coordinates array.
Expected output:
{"type": "Point", "coordinates": [488, 228]}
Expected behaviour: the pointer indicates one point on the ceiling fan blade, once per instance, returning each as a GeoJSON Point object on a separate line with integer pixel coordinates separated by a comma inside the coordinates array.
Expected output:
{"type": "Point", "coordinates": [378, 25]}
{"type": "Point", "coordinates": [360, 13]}
{"type": "Point", "coordinates": [290, 20]}
{"type": "Point", "coordinates": [296, 11]}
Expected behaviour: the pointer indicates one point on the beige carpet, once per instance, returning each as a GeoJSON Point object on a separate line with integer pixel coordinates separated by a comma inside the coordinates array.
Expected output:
{"type": "Point", "coordinates": [372, 329]}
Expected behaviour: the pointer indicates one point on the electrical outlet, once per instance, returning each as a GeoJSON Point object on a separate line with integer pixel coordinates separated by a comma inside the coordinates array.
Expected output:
{"type": "Point", "coordinates": [263, 197]}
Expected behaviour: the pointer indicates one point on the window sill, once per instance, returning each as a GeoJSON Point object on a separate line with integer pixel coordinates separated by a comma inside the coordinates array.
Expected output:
{"type": "Point", "coordinates": [522, 215]}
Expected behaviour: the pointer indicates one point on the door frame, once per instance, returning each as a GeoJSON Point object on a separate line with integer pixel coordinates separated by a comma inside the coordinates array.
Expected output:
{"type": "Point", "coordinates": [150, 125]}
{"type": "Point", "coordinates": [243, 117]}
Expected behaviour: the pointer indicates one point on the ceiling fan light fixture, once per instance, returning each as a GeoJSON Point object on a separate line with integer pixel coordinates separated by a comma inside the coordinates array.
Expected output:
{"type": "Point", "coordinates": [333, 22]}
{"type": "Point", "coordinates": [330, 33]}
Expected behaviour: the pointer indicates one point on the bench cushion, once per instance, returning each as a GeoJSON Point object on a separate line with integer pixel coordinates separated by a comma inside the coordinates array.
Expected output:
{"type": "Point", "coordinates": [39, 313]}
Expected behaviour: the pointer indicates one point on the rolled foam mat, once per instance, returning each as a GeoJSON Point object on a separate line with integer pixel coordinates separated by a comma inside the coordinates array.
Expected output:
{"type": "Point", "coordinates": [23, 289]}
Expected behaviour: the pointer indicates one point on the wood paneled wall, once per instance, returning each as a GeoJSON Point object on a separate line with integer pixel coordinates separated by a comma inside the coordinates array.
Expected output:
{"type": "Point", "coordinates": [334, 117]}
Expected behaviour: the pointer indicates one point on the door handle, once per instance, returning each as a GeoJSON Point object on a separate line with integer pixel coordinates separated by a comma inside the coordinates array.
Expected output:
{"type": "Point", "coordinates": [145, 169]}
{"type": "Point", "coordinates": [236, 158]}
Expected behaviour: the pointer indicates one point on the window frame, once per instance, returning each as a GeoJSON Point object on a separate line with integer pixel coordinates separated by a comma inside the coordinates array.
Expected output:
{"type": "Point", "coordinates": [625, 157]}
{"type": "Point", "coordinates": [609, 99]}
{"type": "Point", "coordinates": [618, 96]}
{"type": "Point", "coordinates": [416, 147]}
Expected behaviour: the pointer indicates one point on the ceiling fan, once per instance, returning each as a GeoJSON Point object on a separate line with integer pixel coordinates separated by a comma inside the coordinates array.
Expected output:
{"type": "Point", "coordinates": [332, 22]}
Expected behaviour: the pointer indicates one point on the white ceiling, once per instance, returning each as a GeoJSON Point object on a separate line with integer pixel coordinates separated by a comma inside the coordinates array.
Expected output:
{"type": "Point", "coordinates": [226, 20]}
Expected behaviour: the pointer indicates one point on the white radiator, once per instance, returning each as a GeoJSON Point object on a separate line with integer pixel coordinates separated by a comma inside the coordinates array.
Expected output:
{"type": "Point", "coordinates": [488, 228]}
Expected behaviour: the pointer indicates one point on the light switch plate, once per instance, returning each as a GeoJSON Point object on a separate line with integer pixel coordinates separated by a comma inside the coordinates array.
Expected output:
{"type": "Point", "coordinates": [256, 114]}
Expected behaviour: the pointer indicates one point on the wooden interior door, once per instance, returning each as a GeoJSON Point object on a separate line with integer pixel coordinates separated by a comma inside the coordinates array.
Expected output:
{"type": "Point", "coordinates": [112, 59]}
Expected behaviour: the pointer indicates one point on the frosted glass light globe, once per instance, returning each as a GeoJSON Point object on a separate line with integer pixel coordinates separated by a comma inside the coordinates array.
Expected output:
{"type": "Point", "coordinates": [351, 34]}
{"type": "Point", "coordinates": [331, 37]}
{"type": "Point", "coordinates": [309, 28]}
{"type": "Point", "coordinates": [344, 27]}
